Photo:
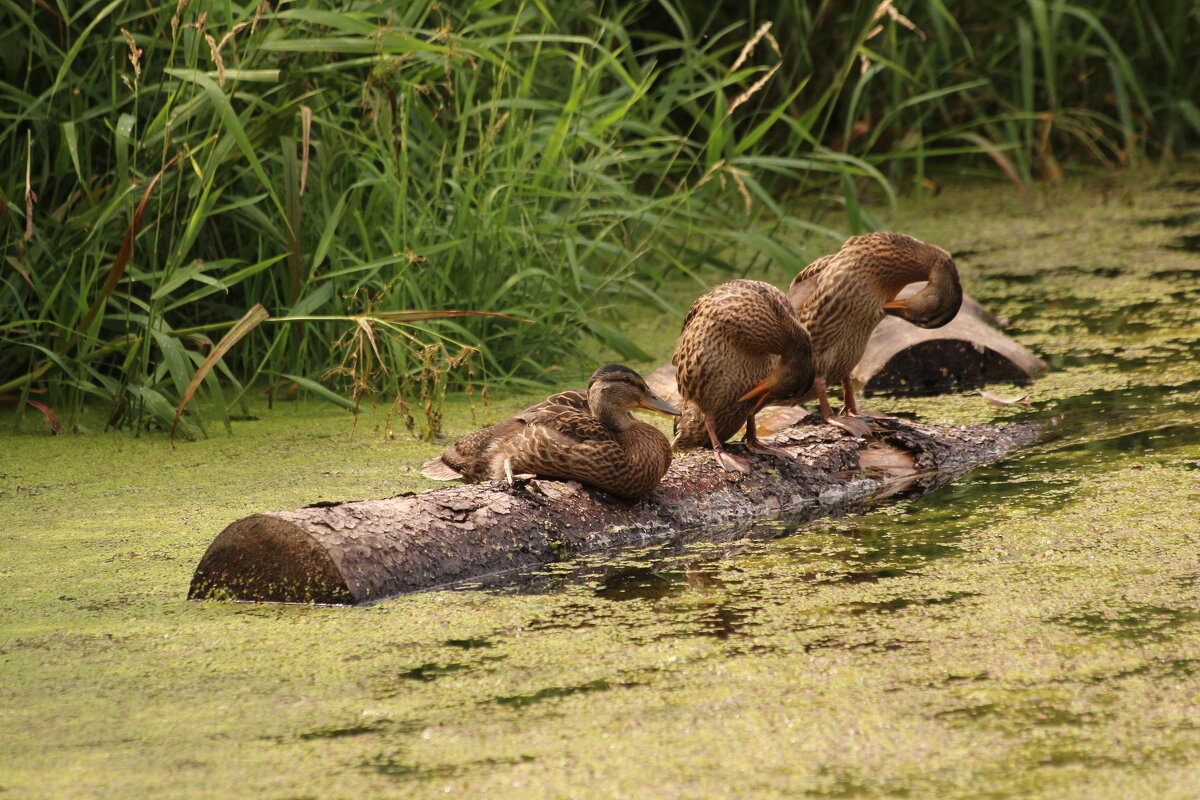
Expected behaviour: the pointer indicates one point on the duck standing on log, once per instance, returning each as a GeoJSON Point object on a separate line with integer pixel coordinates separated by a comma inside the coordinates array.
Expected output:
{"type": "Point", "coordinates": [741, 347]}
{"type": "Point", "coordinates": [590, 437]}
{"type": "Point", "coordinates": [840, 298]}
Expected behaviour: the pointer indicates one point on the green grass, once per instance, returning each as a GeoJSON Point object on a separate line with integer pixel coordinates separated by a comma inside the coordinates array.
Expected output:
{"type": "Point", "coordinates": [171, 170]}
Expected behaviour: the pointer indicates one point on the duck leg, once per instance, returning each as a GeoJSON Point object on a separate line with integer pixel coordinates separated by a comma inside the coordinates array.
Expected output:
{"type": "Point", "coordinates": [849, 403]}
{"type": "Point", "coordinates": [511, 478]}
{"type": "Point", "coordinates": [852, 425]}
{"type": "Point", "coordinates": [850, 407]}
{"type": "Point", "coordinates": [725, 460]}
{"type": "Point", "coordinates": [754, 445]}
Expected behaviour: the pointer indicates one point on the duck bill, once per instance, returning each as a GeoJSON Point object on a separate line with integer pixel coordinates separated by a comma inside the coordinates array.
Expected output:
{"type": "Point", "coordinates": [653, 402]}
{"type": "Point", "coordinates": [759, 394]}
{"type": "Point", "coordinates": [895, 305]}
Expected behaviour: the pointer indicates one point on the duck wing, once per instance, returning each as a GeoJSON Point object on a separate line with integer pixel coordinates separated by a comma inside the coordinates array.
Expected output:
{"type": "Point", "coordinates": [572, 398]}
{"type": "Point", "coordinates": [569, 425]}
{"type": "Point", "coordinates": [568, 445]}
{"type": "Point", "coordinates": [805, 282]}
{"type": "Point", "coordinates": [469, 457]}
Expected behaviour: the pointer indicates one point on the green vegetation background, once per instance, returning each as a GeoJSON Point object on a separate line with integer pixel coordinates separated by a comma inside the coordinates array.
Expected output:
{"type": "Point", "coordinates": [202, 194]}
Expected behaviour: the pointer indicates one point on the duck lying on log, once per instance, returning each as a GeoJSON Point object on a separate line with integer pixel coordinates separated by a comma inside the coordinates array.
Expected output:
{"type": "Point", "coordinates": [586, 436]}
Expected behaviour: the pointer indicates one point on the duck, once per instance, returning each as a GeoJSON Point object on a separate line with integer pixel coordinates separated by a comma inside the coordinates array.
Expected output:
{"type": "Point", "coordinates": [841, 297]}
{"type": "Point", "coordinates": [741, 347]}
{"type": "Point", "coordinates": [588, 436]}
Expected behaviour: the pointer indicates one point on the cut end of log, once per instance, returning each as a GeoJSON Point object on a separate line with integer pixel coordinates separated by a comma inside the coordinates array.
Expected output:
{"type": "Point", "coordinates": [939, 365]}
{"type": "Point", "coordinates": [968, 351]}
{"type": "Point", "coordinates": [266, 558]}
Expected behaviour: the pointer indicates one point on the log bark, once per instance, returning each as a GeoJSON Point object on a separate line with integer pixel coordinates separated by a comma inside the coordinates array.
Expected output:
{"type": "Point", "coordinates": [359, 552]}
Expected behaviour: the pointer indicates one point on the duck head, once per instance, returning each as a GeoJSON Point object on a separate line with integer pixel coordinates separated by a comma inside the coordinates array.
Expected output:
{"type": "Point", "coordinates": [613, 390]}
{"type": "Point", "coordinates": [938, 302]}
{"type": "Point", "coordinates": [791, 378]}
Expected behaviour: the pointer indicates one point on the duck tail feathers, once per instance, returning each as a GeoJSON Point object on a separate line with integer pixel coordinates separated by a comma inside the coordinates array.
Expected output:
{"type": "Point", "coordinates": [439, 470]}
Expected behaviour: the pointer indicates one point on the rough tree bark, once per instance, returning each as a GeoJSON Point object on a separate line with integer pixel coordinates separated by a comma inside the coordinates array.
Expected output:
{"type": "Point", "coordinates": [359, 552]}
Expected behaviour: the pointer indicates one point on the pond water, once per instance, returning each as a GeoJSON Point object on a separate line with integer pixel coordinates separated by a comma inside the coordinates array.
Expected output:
{"type": "Point", "coordinates": [1032, 630]}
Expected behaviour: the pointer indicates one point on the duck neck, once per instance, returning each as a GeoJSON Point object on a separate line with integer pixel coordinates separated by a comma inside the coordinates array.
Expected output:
{"type": "Point", "coordinates": [930, 264]}
{"type": "Point", "coordinates": [611, 417]}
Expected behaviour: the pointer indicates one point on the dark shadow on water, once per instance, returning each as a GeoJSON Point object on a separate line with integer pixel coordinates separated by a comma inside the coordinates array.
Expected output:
{"type": "Point", "coordinates": [1189, 243]}
{"type": "Point", "coordinates": [1099, 272]}
{"type": "Point", "coordinates": [467, 644]}
{"type": "Point", "coordinates": [641, 583]}
{"type": "Point", "coordinates": [553, 692]}
{"type": "Point", "coordinates": [862, 576]}
{"type": "Point", "coordinates": [1021, 715]}
{"type": "Point", "coordinates": [571, 616]}
{"type": "Point", "coordinates": [1014, 277]}
{"type": "Point", "coordinates": [338, 733]}
{"type": "Point", "coordinates": [901, 603]}
{"type": "Point", "coordinates": [1181, 274]}
{"type": "Point", "coordinates": [431, 672]}
{"type": "Point", "coordinates": [1065, 757]}
{"type": "Point", "coordinates": [1182, 185]}
{"type": "Point", "coordinates": [1169, 668]}
{"type": "Point", "coordinates": [1134, 623]}
{"type": "Point", "coordinates": [1174, 221]}
{"type": "Point", "coordinates": [396, 768]}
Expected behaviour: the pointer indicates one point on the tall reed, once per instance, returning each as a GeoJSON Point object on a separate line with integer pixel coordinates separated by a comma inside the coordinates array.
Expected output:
{"type": "Point", "coordinates": [200, 195]}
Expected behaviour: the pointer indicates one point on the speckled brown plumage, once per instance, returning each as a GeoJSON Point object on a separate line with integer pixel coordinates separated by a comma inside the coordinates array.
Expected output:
{"type": "Point", "coordinates": [739, 336]}
{"type": "Point", "coordinates": [840, 298]}
{"type": "Point", "coordinates": [586, 436]}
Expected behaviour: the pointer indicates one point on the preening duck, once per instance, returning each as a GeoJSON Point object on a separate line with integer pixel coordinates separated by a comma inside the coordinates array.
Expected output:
{"type": "Point", "coordinates": [840, 298]}
{"type": "Point", "coordinates": [741, 347]}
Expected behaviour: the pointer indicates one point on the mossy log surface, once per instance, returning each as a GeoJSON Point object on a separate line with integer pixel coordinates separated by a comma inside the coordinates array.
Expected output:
{"type": "Point", "coordinates": [363, 551]}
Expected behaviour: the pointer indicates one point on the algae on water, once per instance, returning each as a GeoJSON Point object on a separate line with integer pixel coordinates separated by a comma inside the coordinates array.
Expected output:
{"type": "Point", "coordinates": [1030, 631]}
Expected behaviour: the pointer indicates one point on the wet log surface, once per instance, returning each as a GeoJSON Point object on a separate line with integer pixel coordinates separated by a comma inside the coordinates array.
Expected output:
{"type": "Point", "coordinates": [363, 551]}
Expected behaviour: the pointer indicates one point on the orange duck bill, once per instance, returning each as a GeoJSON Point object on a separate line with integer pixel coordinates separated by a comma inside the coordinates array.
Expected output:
{"type": "Point", "coordinates": [760, 394]}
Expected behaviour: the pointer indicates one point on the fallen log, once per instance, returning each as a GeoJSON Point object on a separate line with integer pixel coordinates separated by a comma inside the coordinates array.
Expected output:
{"type": "Point", "coordinates": [358, 552]}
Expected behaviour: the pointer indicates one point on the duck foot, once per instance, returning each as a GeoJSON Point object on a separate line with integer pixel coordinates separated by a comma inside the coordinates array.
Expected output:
{"type": "Point", "coordinates": [755, 446]}
{"type": "Point", "coordinates": [729, 462]}
{"type": "Point", "coordinates": [855, 426]}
